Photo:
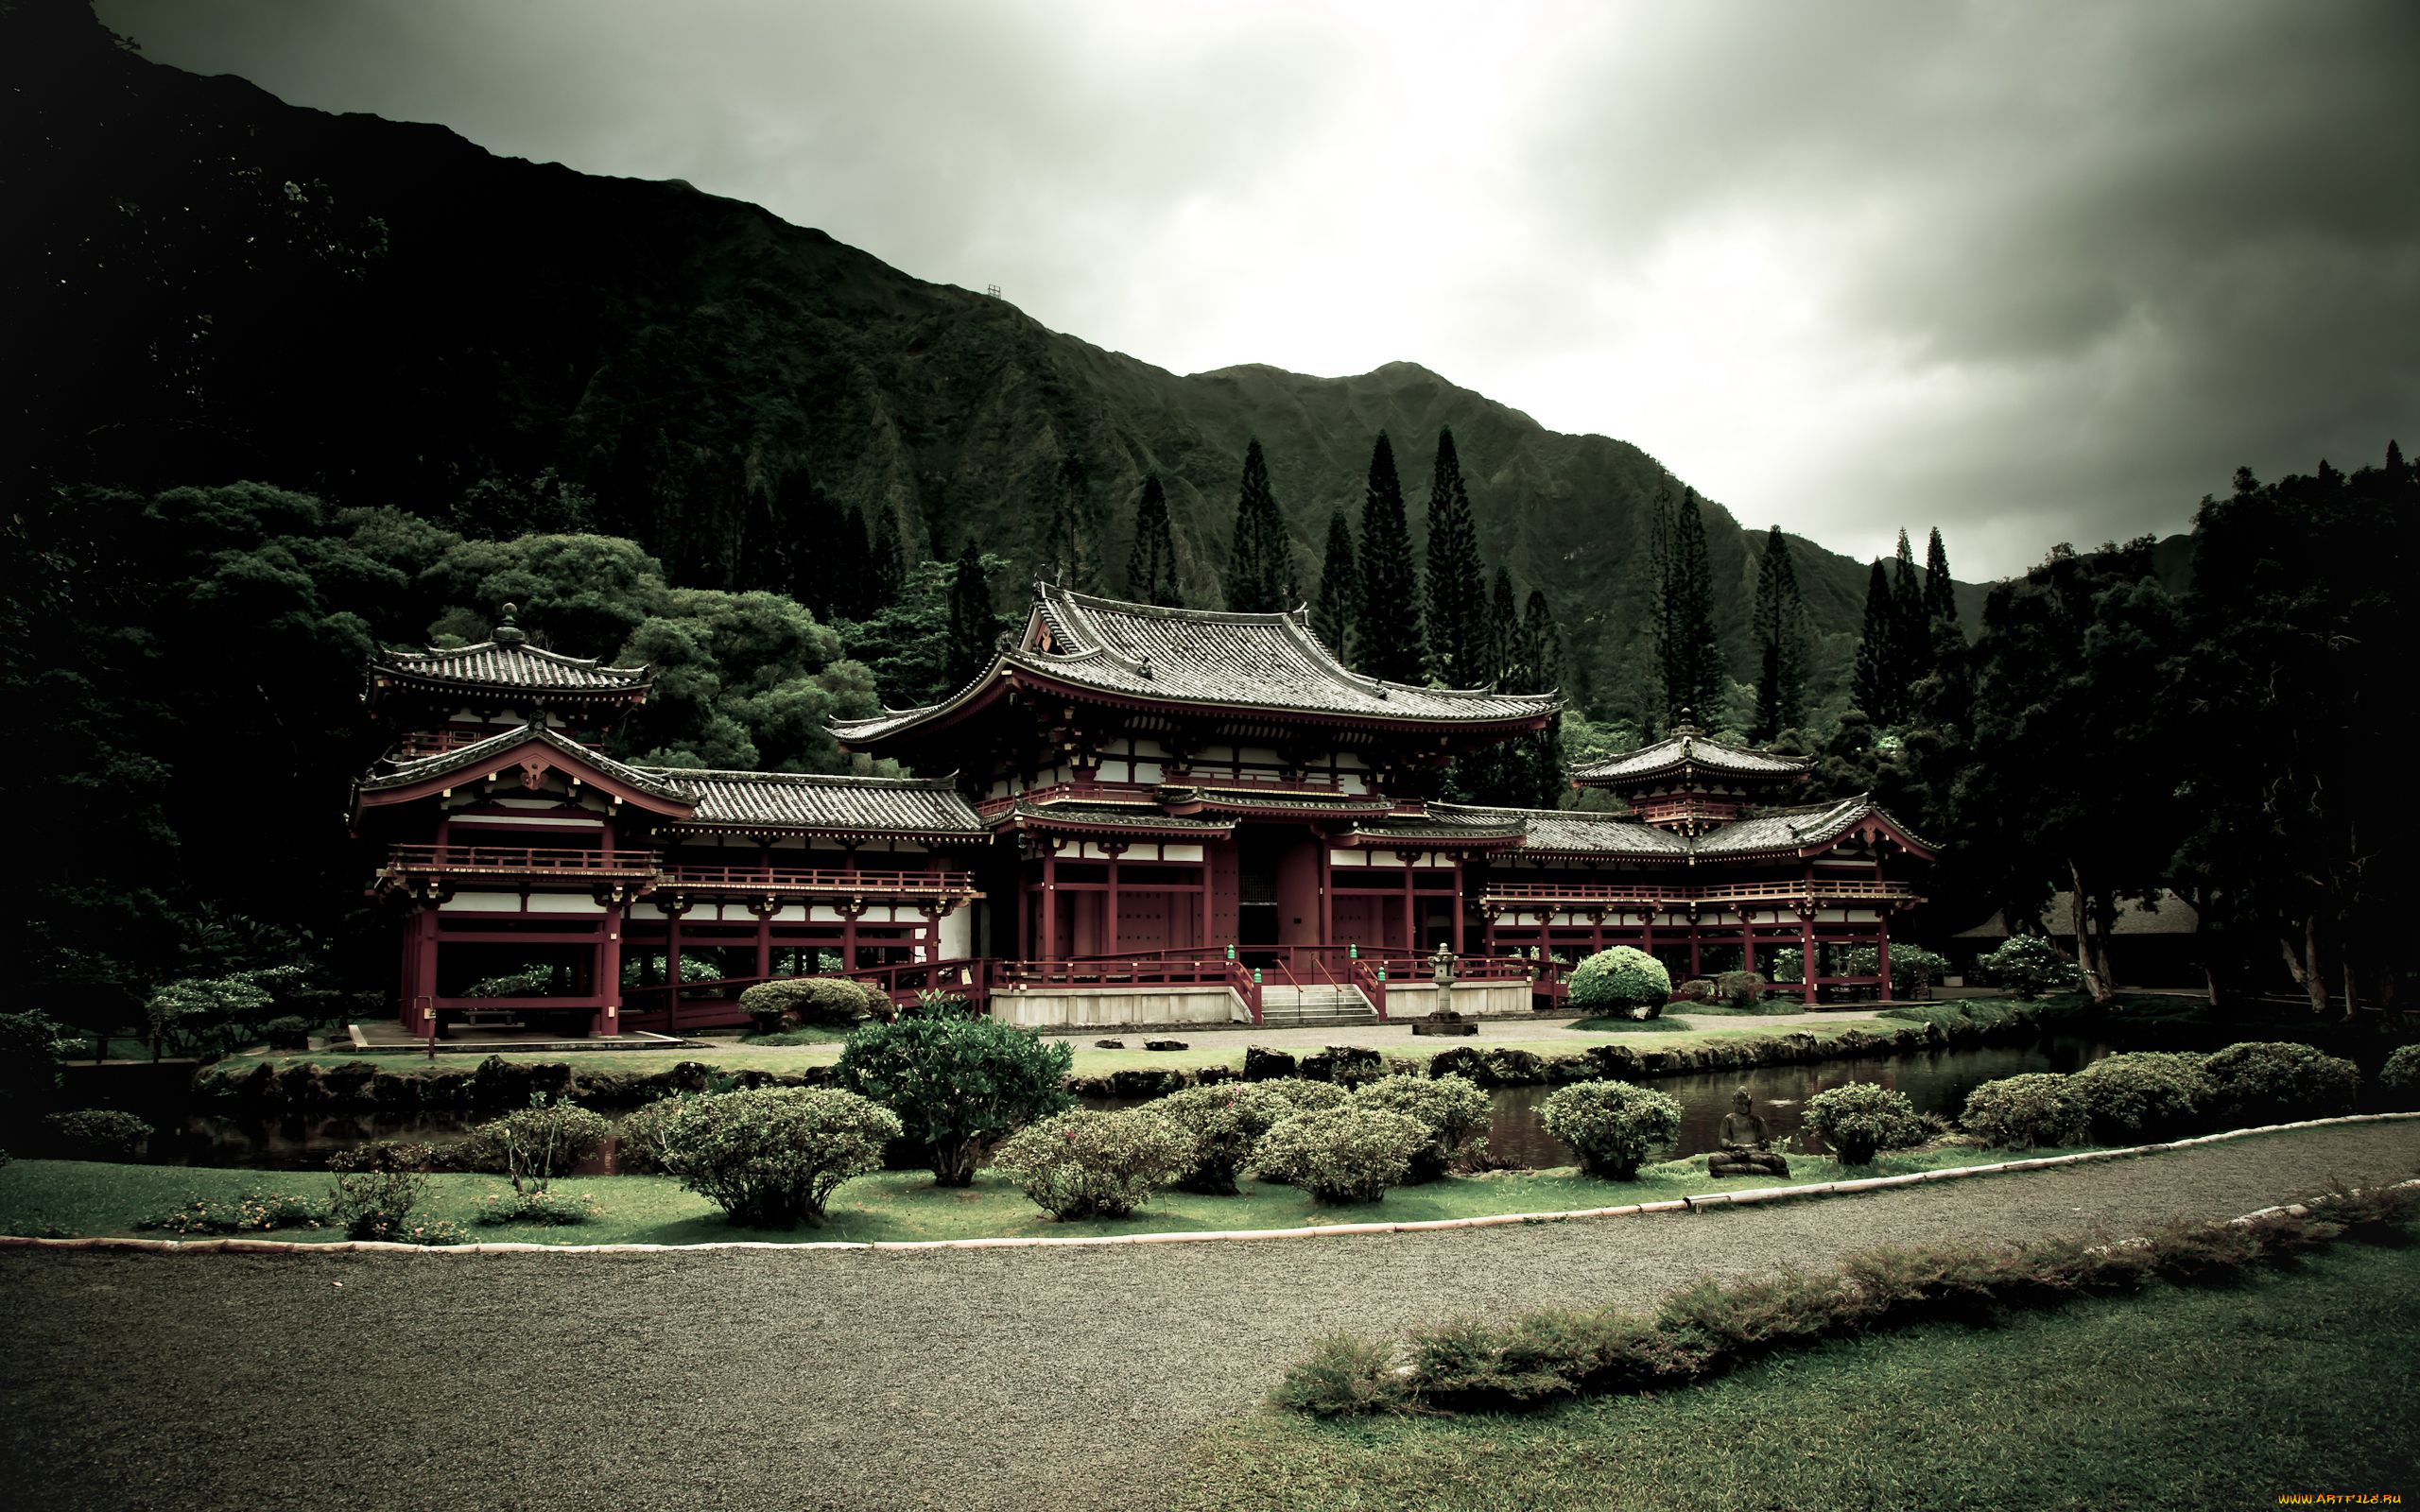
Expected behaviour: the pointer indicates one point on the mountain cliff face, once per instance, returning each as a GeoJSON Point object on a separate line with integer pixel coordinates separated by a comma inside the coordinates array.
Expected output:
{"type": "Point", "coordinates": [215, 285]}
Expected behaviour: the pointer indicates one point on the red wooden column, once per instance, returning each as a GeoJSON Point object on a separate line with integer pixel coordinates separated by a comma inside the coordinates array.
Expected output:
{"type": "Point", "coordinates": [1882, 950]}
{"type": "Point", "coordinates": [1807, 953]}
{"type": "Point", "coordinates": [1694, 971]}
{"type": "Point", "coordinates": [1050, 904]}
{"type": "Point", "coordinates": [1209, 903]}
{"type": "Point", "coordinates": [609, 967]}
{"type": "Point", "coordinates": [1457, 906]}
{"type": "Point", "coordinates": [1328, 893]}
{"type": "Point", "coordinates": [1109, 903]}
{"type": "Point", "coordinates": [1748, 939]}
{"type": "Point", "coordinates": [673, 908]}
{"type": "Point", "coordinates": [1411, 909]}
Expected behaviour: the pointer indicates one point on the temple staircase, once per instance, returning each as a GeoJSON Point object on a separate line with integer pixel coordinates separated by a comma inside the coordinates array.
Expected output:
{"type": "Point", "coordinates": [1313, 1007]}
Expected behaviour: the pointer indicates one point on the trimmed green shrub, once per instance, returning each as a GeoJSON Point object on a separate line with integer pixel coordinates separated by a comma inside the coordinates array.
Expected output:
{"type": "Point", "coordinates": [1696, 989]}
{"type": "Point", "coordinates": [96, 1134]}
{"type": "Point", "coordinates": [1612, 1126]}
{"type": "Point", "coordinates": [377, 1186]}
{"type": "Point", "coordinates": [956, 1082]}
{"type": "Point", "coordinates": [540, 1141]}
{"type": "Point", "coordinates": [1912, 966]}
{"type": "Point", "coordinates": [1345, 1376]}
{"type": "Point", "coordinates": [1087, 1164]}
{"type": "Point", "coordinates": [837, 1001]}
{"type": "Point", "coordinates": [2021, 1112]}
{"type": "Point", "coordinates": [253, 1212]}
{"type": "Point", "coordinates": [2145, 1095]}
{"type": "Point", "coordinates": [771, 1157]}
{"type": "Point", "coordinates": [1225, 1121]}
{"type": "Point", "coordinates": [1621, 980]}
{"type": "Point", "coordinates": [1350, 1154]}
{"type": "Point", "coordinates": [2399, 1078]}
{"type": "Point", "coordinates": [1741, 989]}
{"type": "Point", "coordinates": [1862, 1118]}
{"type": "Point", "coordinates": [2278, 1082]}
{"type": "Point", "coordinates": [1452, 1109]}
{"type": "Point", "coordinates": [537, 1206]}
{"type": "Point", "coordinates": [2030, 964]}
{"type": "Point", "coordinates": [1303, 1096]}
{"type": "Point", "coordinates": [288, 1032]}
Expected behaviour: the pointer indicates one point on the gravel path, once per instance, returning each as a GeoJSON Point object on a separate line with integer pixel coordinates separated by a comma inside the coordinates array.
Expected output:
{"type": "Point", "coordinates": [963, 1380]}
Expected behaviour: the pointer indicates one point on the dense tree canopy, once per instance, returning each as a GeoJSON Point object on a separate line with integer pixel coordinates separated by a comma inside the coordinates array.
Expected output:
{"type": "Point", "coordinates": [1392, 643]}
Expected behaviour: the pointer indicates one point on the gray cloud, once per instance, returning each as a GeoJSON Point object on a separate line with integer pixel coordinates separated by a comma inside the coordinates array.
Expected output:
{"type": "Point", "coordinates": [2032, 272]}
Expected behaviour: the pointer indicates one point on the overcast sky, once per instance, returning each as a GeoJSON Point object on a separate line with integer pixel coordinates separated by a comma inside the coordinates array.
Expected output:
{"type": "Point", "coordinates": [2031, 271]}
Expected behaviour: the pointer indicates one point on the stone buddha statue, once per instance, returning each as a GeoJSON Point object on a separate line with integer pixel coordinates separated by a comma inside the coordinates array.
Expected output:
{"type": "Point", "coordinates": [1745, 1143]}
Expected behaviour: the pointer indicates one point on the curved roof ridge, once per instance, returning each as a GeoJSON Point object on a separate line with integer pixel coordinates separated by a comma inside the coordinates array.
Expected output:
{"type": "Point", "coordinates": [478, 750]}
{"type": "Point", "coordinates": [801, 779]}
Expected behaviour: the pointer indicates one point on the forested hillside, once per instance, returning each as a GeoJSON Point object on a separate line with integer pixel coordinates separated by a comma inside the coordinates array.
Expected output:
{"type": "Point", "coordinates": [384, 314]}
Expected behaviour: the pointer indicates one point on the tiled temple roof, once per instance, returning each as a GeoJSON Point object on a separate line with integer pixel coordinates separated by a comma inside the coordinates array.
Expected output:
{"type": "Point", "coordinates": [1787, 829]}
{"type": "Point", "coordinates": [876, 805]}
{"type": "Point", "coordinates": [507, 664]}
{"type": "Point", "coordinates": [1257, 663]}
{"type": "Point", "coordinates": [1022, 814]}
{"type": "Point", "coordinates": [463, 757]}
{"type": "Point", "coordinates": [1443, 828]}
{"type": "Point", "coordinates": [1691, 748]}
{"type": "Point", "coordinates": [1566, 832]}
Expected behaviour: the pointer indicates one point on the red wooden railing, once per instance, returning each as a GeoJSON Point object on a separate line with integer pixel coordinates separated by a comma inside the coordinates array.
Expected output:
{"type": "Point", "coordinates": [980, 980]}
{"type": "Point", "coordinates": [1585, 892]}
{"type": "Point", "coordinates": [821, 880]}
{"type": "Point", "coordinates": [522, 860]}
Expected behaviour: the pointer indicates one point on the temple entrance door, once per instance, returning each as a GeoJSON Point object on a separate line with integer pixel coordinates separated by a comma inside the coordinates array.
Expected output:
{"type": "Point", "coordinates": [1257, 855]}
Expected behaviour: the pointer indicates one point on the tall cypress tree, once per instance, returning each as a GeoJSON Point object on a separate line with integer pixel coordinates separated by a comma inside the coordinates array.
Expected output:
{"type": "Point", "coordinates": [1506, 641]}
{"type": "Point", "coordinates": [1685, 653]}
{"type": "Point", "coordinates": [1544, 646]}
{"type": "Point", "coordinates": [1940, 593]}
{"type": "Point", "coordinates": [1260, 570]}
{"type": "Point", "coordinates": [1456, 582]}
{"type": "Point", "coordinates": [1780, 630]}
{"type": "Point", "coordinates": [1907, 616]}
{"type": "Point", "coordinates": [1338, 605]}
{"type": "Point", "coordinates": [973, 628]}
{"type": "Point", "coordinates": [889, 570]}
{"type": "Point", "coordinates": [1875, 683]}
{"type": "Point", "coordinates": [1388, 638]}
{"type": "Point", "coordinates": [1150, 563]}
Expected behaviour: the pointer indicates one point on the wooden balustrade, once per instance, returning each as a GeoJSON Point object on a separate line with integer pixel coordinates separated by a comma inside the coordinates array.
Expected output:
{"type": "Point", "coordinates": [519, 860]}
{"type": "Point", "coordinates": [1527, 895]}
{"type": "Point", "coordinates": [524, 861]}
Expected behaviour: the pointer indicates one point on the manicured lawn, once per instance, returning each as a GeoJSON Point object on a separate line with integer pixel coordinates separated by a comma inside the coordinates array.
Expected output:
{"type": "Point", "coordinates": [2300, 1380]}
{"type": "Point", "coordinates": [91, 1198]}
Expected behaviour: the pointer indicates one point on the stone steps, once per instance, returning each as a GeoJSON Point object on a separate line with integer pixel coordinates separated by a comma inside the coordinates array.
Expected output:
{"type": "Point", "coordinates": [1314, 1008]}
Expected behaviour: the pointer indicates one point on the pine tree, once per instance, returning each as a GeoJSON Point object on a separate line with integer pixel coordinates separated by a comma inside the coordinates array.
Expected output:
{"type": "Point", "coordinates": [1337, 606]}
{"type": "Point", "coordinates": [1457, 583]}
{"type": "Point", "coordinates": [1151, 564]}
{"type": "Point", "coordinates": [1544, 646]}
{"type": "Point", "coordinates": [973, 628]}
{"type": "Point", "coordinates": [1875, 683]}
{"type": "Point", "coordinates": [1908, 622]}
{"type": "Point", "coordinates": [889, 572]}
{"type": "Point", "coordinates": [1941, 591]}
{"type": "Point", "coordinates": [1685, 653]}
{"type": "Point", "coordinates": [1780, 630]}
{"type": "Point", "coordinates": [1260, 570]}
{"type": "Point", "coordinates": [1389, 636]}
{"type": "Point", "coordinates": [1507, 643]}
{"type": "Point", "coordinates": [1069, 550]}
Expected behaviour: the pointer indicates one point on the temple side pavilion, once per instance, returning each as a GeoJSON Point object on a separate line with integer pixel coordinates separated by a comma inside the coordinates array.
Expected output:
{"type": "Point", "coordinates": [1157, 816]}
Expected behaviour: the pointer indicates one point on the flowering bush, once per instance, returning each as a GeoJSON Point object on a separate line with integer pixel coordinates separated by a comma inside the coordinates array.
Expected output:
{"type": "Point", "coordinates": [641, 1143]}
{"type": "Point", "coordinates": [772, 1156]}
{"type": "Point", "coordinates": [537, 1206]}
{"type": "Point", "coordinates": [540, 1141]}
{"type": "Point", "coordinates": [1225, 1121]}
{"type": "Point", "coordinates": [377, 1185]}
{"type": "Point", "coordinates": [97, 1134]}
{"type": "Point", "coordinates": [253, 1212]}
{"type": "Point", "coordinates": [2276, 1081]}
{"type": "Point", "coordinates": [1453, 1108]}
{"type": "Point", "coordinates": [1305, 1095]}
{"type": "Point", "coordinates": [2030, 964]}
{"type": "Point", "coordinates": [1621, 980]}
{"type": "Point", "coordinates": [2144, 1094]}
{"type": "Point", "coordinates": [1612, 1126]}
{"type": "Point", "coordinates": [1086, 1164]}
{"type": "Point", "coordinates": [1862, 1118]}
{"type": "Point", "coordinates": [956, 1082]}
{"type": "Point", "coordinates": [2020, 1112]}
{"type": "Point", "coordinates": [1916, 970]}
{"type": "Point", "coordinates": [1350, 1154]}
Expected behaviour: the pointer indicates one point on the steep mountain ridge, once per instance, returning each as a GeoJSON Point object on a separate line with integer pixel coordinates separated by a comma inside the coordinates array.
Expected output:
{"type": "Point", "coordinates": [384, 313]}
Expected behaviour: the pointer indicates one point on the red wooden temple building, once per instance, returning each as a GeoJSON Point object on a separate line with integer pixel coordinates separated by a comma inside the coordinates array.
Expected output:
{"type": "Point", "coordinates": [1156, 816]}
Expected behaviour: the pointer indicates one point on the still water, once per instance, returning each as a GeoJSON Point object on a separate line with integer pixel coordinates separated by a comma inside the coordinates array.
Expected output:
{"type": "Point", "coordinates": [1936, 1081]}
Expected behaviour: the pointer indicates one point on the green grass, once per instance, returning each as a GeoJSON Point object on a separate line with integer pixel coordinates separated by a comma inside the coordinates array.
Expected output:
{"type": "Point", "coordinates": [1603, 1025]}
{"type": "Point", "coordinates": [93, 1199]}
{"type": "Point", "coordinates": [804, 1034]}
{"type": "Point", "coordinates": [2306, 1379]}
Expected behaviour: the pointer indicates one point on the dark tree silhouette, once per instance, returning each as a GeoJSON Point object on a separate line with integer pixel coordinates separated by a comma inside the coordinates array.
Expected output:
{"type": "Point", "coordinates": [1337, 606]}
{"type": "Point", "coordinates": [1150, 563]}
{"type": "Point", "coordinates": [1260, 570]}
{"type": "Point", "coordinates": [1390, 640]}
{"type": "Point", "coordinates": [1456, 586]}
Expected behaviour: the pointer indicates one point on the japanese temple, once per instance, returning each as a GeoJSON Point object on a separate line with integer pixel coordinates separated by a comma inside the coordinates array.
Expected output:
{"type": "Point", "coordinates": [1152, 817]}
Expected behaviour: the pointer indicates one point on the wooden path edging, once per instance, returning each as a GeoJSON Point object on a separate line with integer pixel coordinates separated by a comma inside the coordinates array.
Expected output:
{"type": "Point", "coordinates": [1684, 1204]}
